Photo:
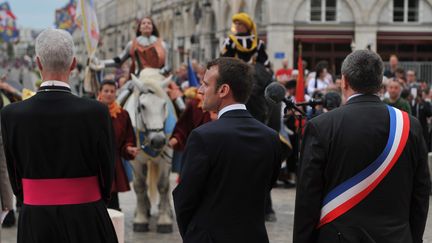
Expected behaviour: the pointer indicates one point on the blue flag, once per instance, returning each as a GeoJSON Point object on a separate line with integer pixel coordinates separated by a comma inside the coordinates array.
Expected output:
{"type": "Point", "coordinates": [193, 81]}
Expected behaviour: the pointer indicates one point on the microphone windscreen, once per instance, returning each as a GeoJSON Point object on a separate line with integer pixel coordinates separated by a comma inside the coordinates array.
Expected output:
{"type": "Point", "coordinates": [274, 93]}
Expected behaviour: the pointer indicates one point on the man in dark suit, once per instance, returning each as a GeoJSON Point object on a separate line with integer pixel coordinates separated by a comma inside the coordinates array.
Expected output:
{"type": "Point", "coordinates": [229, 164]}
{"type": "Point", "coordinates": [346, 144]}
{"type": "Point", "coordinates": [422, 110]}
{"type": "Point", "coordinates": [60, 155]}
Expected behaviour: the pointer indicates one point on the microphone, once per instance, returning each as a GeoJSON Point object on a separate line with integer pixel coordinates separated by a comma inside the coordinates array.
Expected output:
{"type": "Point", "coordinates": [311, 102]}
{"type": "Point", "coordinates": [274, 93]}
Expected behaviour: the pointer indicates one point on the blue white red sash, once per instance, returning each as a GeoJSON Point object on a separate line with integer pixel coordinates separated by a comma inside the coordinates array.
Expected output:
{"type": "Point", "coordinates": [348, 194]}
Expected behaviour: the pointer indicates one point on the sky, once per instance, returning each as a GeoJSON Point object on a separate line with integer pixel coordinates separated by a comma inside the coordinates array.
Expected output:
{"type": "Point", "coordinates": [37, 14]}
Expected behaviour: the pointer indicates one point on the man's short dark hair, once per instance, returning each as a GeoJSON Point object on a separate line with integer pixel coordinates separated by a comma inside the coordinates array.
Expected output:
{"type": "Point", "coordinates": [321, 65]}
{"type": "Point", "coordinates": [291, 84]}
{"type": "Point", "coordinates": [107, 82]}
{"type": "Point", "coordinates": [400, 70]}
{"type": "Point", "coordinates": [405, 93]}
{"type": "Point", "coordinates": [363, 69]}
{"type": "Point", "coordinates": [237, 74]}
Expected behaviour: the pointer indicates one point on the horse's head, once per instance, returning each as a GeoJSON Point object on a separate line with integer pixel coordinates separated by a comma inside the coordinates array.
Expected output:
{"type": "Point", "coordinates": [152, 111]}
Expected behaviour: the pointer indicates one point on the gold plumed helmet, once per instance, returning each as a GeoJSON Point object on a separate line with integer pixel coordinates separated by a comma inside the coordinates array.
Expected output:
{"type": "Point", "coordinates": [245, 19]}
{"type": "Point", "coordinates": [248, 22]}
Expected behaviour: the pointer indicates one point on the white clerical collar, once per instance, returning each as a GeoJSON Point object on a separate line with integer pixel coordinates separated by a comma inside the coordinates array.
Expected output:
{"type": "Point", "coordinates": [230, 108]}
{"type": "Point", "coordinates": [55, 83]}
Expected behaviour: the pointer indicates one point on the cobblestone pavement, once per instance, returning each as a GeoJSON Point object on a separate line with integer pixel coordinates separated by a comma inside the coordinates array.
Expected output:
{"type": "Point", "coordinates": [279, 232]}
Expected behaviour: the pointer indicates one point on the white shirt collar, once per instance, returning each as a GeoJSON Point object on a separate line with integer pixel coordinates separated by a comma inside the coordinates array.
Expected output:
{"type": "Point", "coordinates": [55, 83]}
{"type": "Point", "coordinates": [352, 96]}
{"type": "Point", "coordinates": [230, 108]}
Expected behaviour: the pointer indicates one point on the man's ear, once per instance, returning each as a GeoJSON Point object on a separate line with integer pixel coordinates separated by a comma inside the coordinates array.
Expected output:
{"type": "Point", "coordinates": [39, 64]}
{"type": "Point", "coordinates": [224, 90]}
{"type": "Point", "coordinates": [73, 64]}
{"type": "Point", "coordinates": [344, 83]}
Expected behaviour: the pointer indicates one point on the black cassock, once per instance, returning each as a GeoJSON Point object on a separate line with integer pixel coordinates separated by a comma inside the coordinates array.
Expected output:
{"type": "Point", "coordinates": [53, 142]}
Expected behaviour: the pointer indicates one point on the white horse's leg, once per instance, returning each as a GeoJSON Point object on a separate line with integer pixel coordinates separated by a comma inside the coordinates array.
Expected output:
{"type": "Point", "coordinates": [141, 219]}
{"type": "Point", "coordinates": [165, 220]}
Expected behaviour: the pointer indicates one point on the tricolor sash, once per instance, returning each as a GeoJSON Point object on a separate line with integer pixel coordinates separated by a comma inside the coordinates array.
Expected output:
{"type": "Point", "coordinates": [351, 192]}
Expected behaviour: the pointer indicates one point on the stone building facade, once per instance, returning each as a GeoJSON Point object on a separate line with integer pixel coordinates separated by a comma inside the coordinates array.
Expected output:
{"type": "Point", "coordinates": [327, 29]}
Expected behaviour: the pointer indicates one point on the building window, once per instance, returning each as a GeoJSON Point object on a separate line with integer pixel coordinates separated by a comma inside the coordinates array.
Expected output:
{"type": "Point", "coordinates": [261, 12]}
{"type": "Point", "coordinates": [323, 10]}
{"type": "Point", "coordinates": [405, 11]}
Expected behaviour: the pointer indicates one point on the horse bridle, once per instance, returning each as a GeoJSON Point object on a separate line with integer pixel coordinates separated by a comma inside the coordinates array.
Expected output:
{"type": "Point", "coordinates": [146, 130]}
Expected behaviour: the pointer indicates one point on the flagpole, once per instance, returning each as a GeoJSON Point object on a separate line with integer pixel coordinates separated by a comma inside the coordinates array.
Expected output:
{"type": "Point", "coordinates": [300, 48]}
{"type": "Point", "coordinates": [88, 25]}
{"type": "Point", "coordinates": [299, 98]}
{"type": "Point", "coordinates": [300, 78]}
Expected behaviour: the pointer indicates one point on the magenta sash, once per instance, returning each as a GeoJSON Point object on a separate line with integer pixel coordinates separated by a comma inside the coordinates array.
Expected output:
{"type": "Point", "coordinates": [62, 191]}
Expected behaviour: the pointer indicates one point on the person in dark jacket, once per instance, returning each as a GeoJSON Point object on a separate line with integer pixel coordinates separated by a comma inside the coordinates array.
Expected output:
{"type": "Point", "coordinates": [422, 110]}
{"type": "Point", "coordinates": [363, 174]}
{"type": "Point", "coordinates": [229, 165]}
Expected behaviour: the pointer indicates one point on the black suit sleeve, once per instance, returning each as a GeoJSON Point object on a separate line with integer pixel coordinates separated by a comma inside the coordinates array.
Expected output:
{"type": "Point", "coordinates": [106, 155]}
{"type": "Point", "coordinates": [421, 188]}
{"type": "Point", "coordinates": [310, 187]}
{"type": "Point", "coordinates": [14, 175]}
{"type": "Point", "coordinates": [278, 160]}
{"type": "Point", "coordinates": [427, 109]}
{"type": "Point", "coordinates": [187, 195]}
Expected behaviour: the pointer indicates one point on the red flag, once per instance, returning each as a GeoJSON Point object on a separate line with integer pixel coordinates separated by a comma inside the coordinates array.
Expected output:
{"type": "Point", "coordinates": [300, 89]}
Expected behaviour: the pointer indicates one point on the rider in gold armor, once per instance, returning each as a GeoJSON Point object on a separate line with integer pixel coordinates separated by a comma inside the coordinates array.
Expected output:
{"type": "Point", "coordinates": [244, 42]}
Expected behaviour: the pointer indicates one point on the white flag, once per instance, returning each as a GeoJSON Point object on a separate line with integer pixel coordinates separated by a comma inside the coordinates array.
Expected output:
{"type": "Point", "coordinates": [87, 21]}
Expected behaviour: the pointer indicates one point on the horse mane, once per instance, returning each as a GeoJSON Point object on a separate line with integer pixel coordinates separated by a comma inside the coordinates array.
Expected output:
{"type": "Point", "coordinates": [151, 78]}
{"type": "Point", "coordinates": [154, 85]}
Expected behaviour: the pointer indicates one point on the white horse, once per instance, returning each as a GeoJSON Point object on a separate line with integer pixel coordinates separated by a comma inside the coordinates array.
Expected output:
{"type": "Point", "coordinates": [151, 112]}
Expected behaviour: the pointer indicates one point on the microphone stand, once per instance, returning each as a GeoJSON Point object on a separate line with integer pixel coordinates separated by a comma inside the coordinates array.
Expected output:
{"type": "Point", "coordinates": [299, 115]}
{"type": "Point", "coordinates": [292, 106]}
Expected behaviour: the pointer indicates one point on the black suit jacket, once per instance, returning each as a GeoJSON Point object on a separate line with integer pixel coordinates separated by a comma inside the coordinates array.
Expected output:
{"type": "Point", "coordinates": [422, 111]}
{"type": "Point", "coordinates": [339, 144]}
{"type": "Point", "coordinates": [228, 168]}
